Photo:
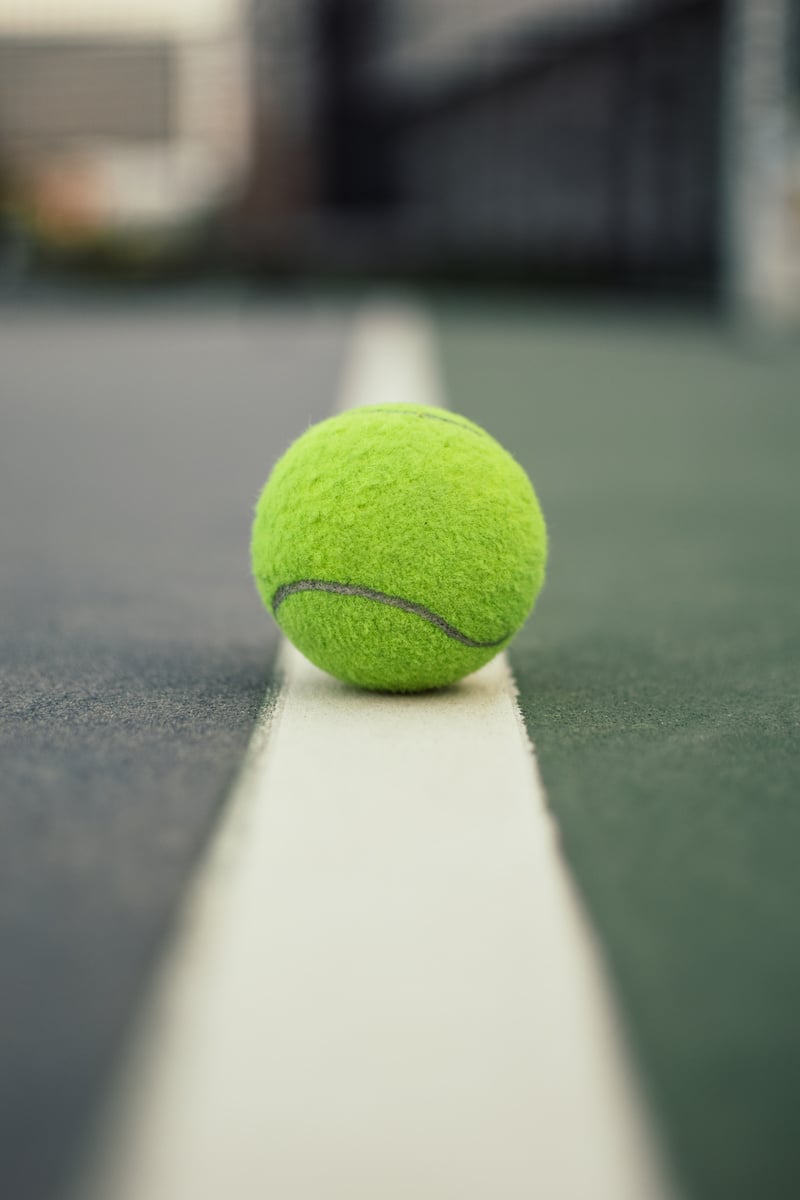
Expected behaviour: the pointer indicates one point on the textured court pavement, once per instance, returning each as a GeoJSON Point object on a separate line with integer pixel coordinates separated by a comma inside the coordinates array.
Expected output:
{"type": "Point", "coordinates": [133, 655]}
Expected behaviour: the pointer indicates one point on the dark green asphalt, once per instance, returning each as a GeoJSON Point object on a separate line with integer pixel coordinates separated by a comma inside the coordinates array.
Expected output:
{"type": "Point", "coordinates": [660, 681]}
{"type": "Point", "coordinates": [134, 656]}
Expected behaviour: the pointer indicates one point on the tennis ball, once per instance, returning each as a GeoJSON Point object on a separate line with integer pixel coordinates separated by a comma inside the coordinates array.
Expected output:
{"type": "Point", "coordinates": [398, 547]}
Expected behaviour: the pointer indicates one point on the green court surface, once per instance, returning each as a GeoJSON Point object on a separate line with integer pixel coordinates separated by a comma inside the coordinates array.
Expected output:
{"type": "Point", "coordinates": [659, 681]}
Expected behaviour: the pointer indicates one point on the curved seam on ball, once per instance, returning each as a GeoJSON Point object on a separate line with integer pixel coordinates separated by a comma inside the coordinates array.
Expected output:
{"type": "Point", "coordinates": [352, 589]}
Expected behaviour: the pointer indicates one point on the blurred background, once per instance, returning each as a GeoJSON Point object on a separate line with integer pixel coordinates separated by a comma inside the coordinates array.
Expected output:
{"type": "Point", "coordinates": [645, 144]}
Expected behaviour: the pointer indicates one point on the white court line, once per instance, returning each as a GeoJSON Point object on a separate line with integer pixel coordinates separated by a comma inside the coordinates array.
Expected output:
{"type": "Point", "coordinates": [383, 986]}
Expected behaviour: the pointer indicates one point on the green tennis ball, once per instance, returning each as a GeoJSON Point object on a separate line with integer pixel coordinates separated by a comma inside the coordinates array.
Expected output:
{"type": "Point", "coordinates": [398, 547]}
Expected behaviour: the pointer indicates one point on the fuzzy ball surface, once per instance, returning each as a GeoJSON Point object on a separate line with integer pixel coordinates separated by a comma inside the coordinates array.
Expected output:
{"type": "Point", "coordinates": [398, 547]}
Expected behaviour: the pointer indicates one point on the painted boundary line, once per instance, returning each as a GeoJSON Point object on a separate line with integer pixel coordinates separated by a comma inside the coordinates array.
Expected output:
{"type": "Point", "coordinates": [382, 986]}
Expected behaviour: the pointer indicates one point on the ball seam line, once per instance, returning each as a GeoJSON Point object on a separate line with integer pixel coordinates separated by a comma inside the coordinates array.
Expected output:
{"type": "Point", "coordinates": [366, 593]}
{"type": "Point", "coordinates": [425, 416]}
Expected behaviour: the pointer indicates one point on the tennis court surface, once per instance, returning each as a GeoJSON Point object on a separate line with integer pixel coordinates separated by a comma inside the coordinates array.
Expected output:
{"type": "Point", "coordinates": [371, 947]}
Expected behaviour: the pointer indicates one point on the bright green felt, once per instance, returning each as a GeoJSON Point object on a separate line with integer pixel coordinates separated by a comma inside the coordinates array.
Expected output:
{"type": "Point", "coordinates": [660, 682]}
{"type": "Point", "coordinates": [413, 503]}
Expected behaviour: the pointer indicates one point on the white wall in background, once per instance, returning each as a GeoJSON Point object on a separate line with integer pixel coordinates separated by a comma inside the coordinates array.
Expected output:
{"type": "Point", "coordinates": [116, 16]}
